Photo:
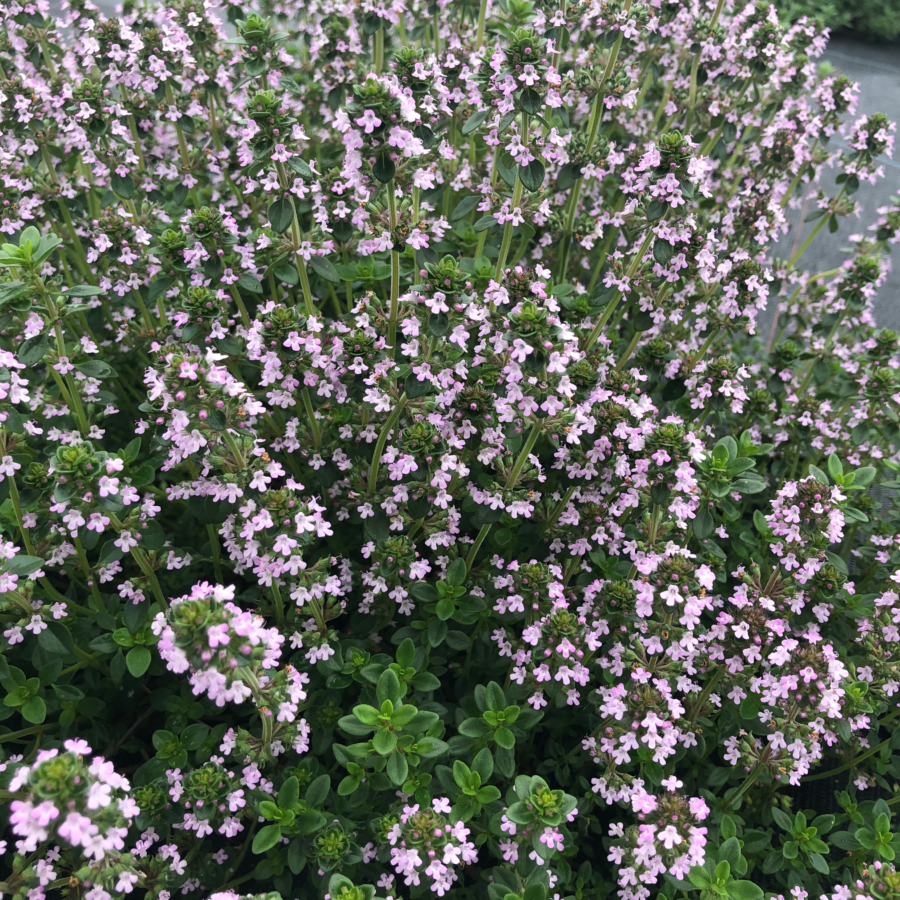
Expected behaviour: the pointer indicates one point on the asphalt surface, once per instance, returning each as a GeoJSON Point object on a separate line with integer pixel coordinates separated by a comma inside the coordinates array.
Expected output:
{"type": "Point", "coordinates": [876, 67]}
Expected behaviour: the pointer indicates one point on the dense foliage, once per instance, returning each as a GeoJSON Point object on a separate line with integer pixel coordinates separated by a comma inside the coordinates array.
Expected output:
{"type": "Point", "coordinates": [397, 496]}
{"type": "Point", "coordinates": [873, 20]}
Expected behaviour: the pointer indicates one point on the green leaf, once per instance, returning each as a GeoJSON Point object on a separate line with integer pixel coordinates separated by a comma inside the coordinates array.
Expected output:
{"type": "Point", "coordinates": [384, 169]}
{"type": "Point", "coordinates": [532, 175]}
{"type": "Point", "coordinates": [406, 653]}
{"type": "Point", "coordinates": [348, 785]}
{"type": "Point", "coordinates": [194, 735]}
{"type": "Point", "coordinates": [484, 223]}
{"type": "Point", "coordinates": [158, 287]}
{"type": "Point", "coordinates": [424, 592]}
{"type": "Point", "coordinates": [457, 640]}
{"type": "Point", "coordinates": [445, 609]}
{"type": "Point", "coordinates": [422, 721]}
{"type": "Point", "coordinates": [530, 101]}
{"type": "Point", "coordinates": [12, 290]}
{"type": "Point", "coordinates": [266, 838]}
{"type": "Point", "coordinates": [437, 631]}
{"type": "Point", "coordinates": [33, 350]}
{"type": "Point", "coordinates": [299, 165]}
{"type": "Point", "coordinates": [782, 819]}
{"type": "Point", "coordinates": [473, 728]}
{"type": "Point", "coordinates": [24, 565]}
{"type": "Point", "coordinates": [505, 738]}
{"type": "Point", "coordinates": [656, 209]}
{"type": "Point", "coordinates": [286, 273]}
{"type": "Point", "coordinates": [152, 536]}
{"type": "Point", "coordinates": [295, 856]}
{"type": "Point", "coordinates": [251, 283]}
{"type": "Point", "coordinates": [404, 715]}
{"type": "Point", "coordinates": [703, 524]}
{"type": "Point", "coordinates": [384, 742]}
{"type": "Point", "coordinates": [818, 474]}
{"type": "Point", "coordinates": [663, 251]}
{"type": "Point", "coordinates": [520, 814]}
{"type": "Point", "coordinates": [95, 368]}
{"type": "Point", "coordinates": [138, 660]}
{"type": "Point", "coordinates": [317, 792]}
{"type": "Point", "coordinates": [366, 714]}
{"type": "Point", "coordinates": [123, 185]}
{"type": "Point", "coordinates": [388, 687]}
{"type": "Point", "coordinates": [310, 822]}
{"type": "Point", "coordinates": [748, 486]}
{"type": "Point", "coordinates": [464, 207]}
{"type": "Point", "coordinates": [744, 890]}
{"type": "Point", "coordinates": [289, 793]}
{"type": "Point", "coordinates": [325, 269]}
{"type": "Point", "coordinates": [483, 764]}
{"type": "Point", "coordinates": [494, 696]}
{"type": "Point", "coordinates": [456, 573]}
{"type": "Point", "coordinates": [838, 563]}
{"type": "Point", "coordinates": [476, 119]}
{"type": "Point", "coordinates": [730, 851]}
{"type": "Point", "coordinates": [488, 794]}
{"type": "Point", "coordinates": [34, 710]}
{"type": "Point", "coordinates": [397, 768]}
{"type": "Point", "coordinates": [698, 876]}
{"type": "Point", "coordinates": [280, 216]}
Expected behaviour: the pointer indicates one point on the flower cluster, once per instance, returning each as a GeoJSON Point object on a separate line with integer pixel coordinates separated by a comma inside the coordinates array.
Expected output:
{"type": "Point", "coordinates": [399, 479]}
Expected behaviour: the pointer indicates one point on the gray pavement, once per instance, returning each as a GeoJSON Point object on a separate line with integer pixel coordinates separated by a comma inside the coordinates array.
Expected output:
{"type": "Point", "coordinates": [877, 69]}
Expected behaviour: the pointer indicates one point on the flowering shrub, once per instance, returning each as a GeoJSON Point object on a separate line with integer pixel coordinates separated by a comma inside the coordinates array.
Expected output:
{"type": "Point", "coordinates": [397, 494]}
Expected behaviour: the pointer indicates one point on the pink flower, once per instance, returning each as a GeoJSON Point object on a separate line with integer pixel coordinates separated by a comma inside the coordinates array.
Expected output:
{"type": "Point", "coordinates": [368, 121]}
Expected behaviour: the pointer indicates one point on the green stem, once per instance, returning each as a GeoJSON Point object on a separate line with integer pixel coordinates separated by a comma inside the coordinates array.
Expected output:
{"type": "Point", "coordinates": [483, 532]}
{"type": "Point", "coordinates": [482, 17]}
{"type": "Point", "coordinates": [236, 296]}
{"type": "Point", "coordinates": [856, 759]}
{"type": "Point", "coordinates": [216, 552]}
{"type": "Point", "coordinates": [704, 694]}
{"type": "Point", "coordinates": [15, 735]}
{"type": "Point", "coordinates": [20, 521]}
{"type": "Point", "coordinates": [304, 282]}
{"type": "Point", "coordinates": [395, 272]}
{"type": "Point", "coordinates": [510, 484]}
{"type": "Point", "coordinates": [182, 144]}
{"type": "Point", "coordinates": [610, 308]}
{"type": "Point", "coordinates": [378, 62]}
{"type": "Point", "coordinates": [575, 193]}
{"type": "Point", "coordinates": [140, 557]}
{"type": "Point", "coordinates": [695, 68]}
{"type": "Point", "coordinates": [793, 260]}
{"type": "Point", "coordinates": [812, 363]}
{"type": "Point", "coordinates": [89, 575]}
{"type": "Point", "coordinates": [265, 714]}
{"type": "Point", "coordinates": [702, 351]}
{"type": "Point", "coordinates": [628, 351]}
{"type": "Point", "coordinates": [279, 604]}
{"type": "Point", "coordinates": [382, 440]}
{"type": "Point", "coordinates": [560, 507]}
{"type": "Point", "coordinates": [310, 414]}
{"type": "Point", "coordinates": [748, 781]}
{"type": "Point", "coordinates": [508, 227]}
{"type": "Point", "coordinates": [507, 232]}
